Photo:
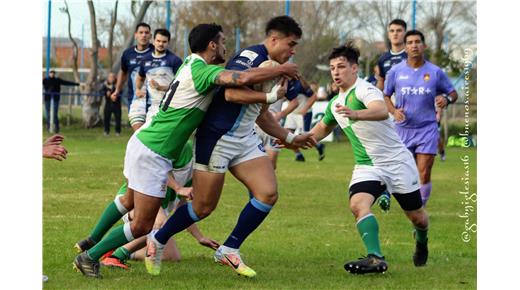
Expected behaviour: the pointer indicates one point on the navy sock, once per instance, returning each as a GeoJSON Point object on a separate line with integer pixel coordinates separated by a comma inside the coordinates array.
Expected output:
{"type": "Point", "coordinates": [250, 218]}
{"type": "Point", "coordinates": [183, 217]}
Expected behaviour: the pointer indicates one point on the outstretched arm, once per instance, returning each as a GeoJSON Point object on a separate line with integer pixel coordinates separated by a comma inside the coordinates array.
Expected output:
{"type": "Point", "coordinates": [245, 95]}
{"type": "Point", "coordinates": [321, 130]}
{"type": "Point", "coordinates": [233, 78]}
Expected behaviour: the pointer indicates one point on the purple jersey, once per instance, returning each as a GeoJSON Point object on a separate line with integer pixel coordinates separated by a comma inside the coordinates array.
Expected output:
{"type": "Point", "coordinates": [415, 91]}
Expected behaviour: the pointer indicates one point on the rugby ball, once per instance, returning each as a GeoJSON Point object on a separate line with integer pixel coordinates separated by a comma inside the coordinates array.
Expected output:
{"type": "Point", "coordinates": [267, 85]}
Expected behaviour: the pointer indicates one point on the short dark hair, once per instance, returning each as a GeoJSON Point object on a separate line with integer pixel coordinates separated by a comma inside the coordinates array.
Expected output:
{"type": "Point", "coordinates": [202, 34]}
{"type": "Point", "coordinates": [349, 51]}
{"type": "Point", "coordinates": [399, 22]}
{"type": "Point", "coordinates": [52, 71]}
{"type": "Point", "coordinates": [284, 24]}
{"type": "Point", "coordinates": [161, 31]}
{"type": "Point", "coordinates": [142, 24]}
{"type": "Point", "coordinates": [414, 32]}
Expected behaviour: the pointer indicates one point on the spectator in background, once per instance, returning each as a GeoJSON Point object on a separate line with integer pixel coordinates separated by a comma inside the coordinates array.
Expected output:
{"type": "Point", "coordinates": [112, 104]}
{"type": "Point", "coordinates": [52, 87]}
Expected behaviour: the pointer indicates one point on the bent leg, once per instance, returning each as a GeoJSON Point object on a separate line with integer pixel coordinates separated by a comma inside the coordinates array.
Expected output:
{"type": "Point", "coordinates": [207, 187]}
{"type": "Point", "coordinates": [258, 176]}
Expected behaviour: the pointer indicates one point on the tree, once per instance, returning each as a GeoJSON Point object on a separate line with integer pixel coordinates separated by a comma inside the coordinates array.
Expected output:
{"type": "Point", "coordinates": [113, 21]}
{"type": "Point", "coordinates": [91, 101]}
{"type": "Point", "coordinates": [130, 38]}
{"type": "Point", "coordinates": [75, 49]}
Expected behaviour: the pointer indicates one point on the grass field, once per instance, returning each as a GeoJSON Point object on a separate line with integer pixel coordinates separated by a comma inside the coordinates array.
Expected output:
{"type": "Point", "coordinates": [303, 244]}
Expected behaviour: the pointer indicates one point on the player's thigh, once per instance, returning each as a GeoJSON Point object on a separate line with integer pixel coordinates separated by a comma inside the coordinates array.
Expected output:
{"type": "Point", "coordinates": [207, 187]}
{"type": "Point", "coordinates": [258, 176]}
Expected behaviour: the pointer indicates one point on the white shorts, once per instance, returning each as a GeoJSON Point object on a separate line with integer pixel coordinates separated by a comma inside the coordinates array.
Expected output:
{"type": "Point", "coordinates": [137, 111]}
{"type": "Point", "coordinates": [146, 170]}
{"type": "Point", "coordinates": [267, 140]}
{"type": "Point", "coordinates": [294, 122]}
{"type": "Point", "coordinates": [228, 152]}
{"type": "Point", "coordinates": [399, 177]}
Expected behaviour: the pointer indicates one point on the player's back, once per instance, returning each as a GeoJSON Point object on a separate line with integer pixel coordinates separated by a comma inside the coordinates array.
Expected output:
{"type": "Point", "coordinates": [182, 108]}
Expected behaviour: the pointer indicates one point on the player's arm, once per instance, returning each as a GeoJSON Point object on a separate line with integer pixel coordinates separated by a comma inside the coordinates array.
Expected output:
{"type": "Point", "coordinates": [308, 105]}
{"type": "Point", "coordinates": [204, 241]}
{"type": "Point", "coordinates": [443, 101]}
{"type": "Point", "coordinates": [291, 106]}
{"type": "Point", "coordinates": [321, 130]}
{"type": "Point", "coordinates": [245, 95]}
{"type": "Point", "coordinates": [139, 82]}
{"type": "Point", "coordinates": [380, 83]}
{"type": "Point", "coordinates": [376, 111]}
{"type": "Point", "coordinates": [186, 192]}
{"type": "Point", "coordinates": [234, 78]}
{"type": "Point", "coordinates": [269, 125]}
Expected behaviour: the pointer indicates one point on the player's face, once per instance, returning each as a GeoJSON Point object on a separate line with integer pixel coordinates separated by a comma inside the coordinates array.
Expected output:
{"type": "Point", "coordinates": [396, 34]}
{"type": "Point", "coordinates": [283, 47]}
{"type": "Point", "coordinates": [220, 56]}
{"type": "Point", "coordinates": [161, 43]}
{"type": "Point", "coordinates": [414, 46]}
{"type": "Point", "coordinates": [343, 73]}
{"type": "Point", "coordinates": [142, 35]}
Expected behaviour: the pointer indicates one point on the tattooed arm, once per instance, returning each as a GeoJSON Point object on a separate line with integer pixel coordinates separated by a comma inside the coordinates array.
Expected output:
{"type": "Point", "coordinates": [232, 78]}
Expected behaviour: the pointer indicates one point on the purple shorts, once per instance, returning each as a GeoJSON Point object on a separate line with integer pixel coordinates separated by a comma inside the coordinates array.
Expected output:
{"type": "Point", "coordinates": [422, 140]}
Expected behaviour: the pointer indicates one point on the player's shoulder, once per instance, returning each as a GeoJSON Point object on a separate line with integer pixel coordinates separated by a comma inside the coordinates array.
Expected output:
{"type": "Point", "coordinates": [251, 56]}
{"type": "Point", "coordinates": [364, 88]}
{"type": "Point", "coordinates": [432, 67]}
{"type": "Point", "coordinates": [386, 55]}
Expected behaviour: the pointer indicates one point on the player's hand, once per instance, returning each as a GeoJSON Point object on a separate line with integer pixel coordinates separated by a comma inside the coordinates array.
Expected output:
{"type": "Point", "coordinates": [54, 140]}
{"type": "Point", "coordinates": [53, 151]}
{"type": "Point", "coordinates": [140, 93]}
{"type": "Point", "coordinates": [186, 192]}
{"type": "Point", "coordinates": [399, 115]}
{"type": "Point", "coordinates": [304, 141]}
{"type": "Point", "coordinates": [114, 95]}
{"type": "Point", "coordinates": [281, 88]}
{"type": "Point", "coordinates": [290, 70]}
{"type": "Point", "coordinates": [210, 243]}
{"type": "Point", "coordinates": [346, 112]}
{"type": "Point", "coordinates": [441, 102]}
{"type": "Point", "coordinates": [154, 84]}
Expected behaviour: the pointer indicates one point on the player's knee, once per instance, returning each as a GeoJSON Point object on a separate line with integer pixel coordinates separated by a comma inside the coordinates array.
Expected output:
{"type": "Point", "coordinates": [203, 211]}
{"type": "Point", "coordinates": [419, 218]}
{"type": "Point", "coordinates": [141, 228]}
{"type": "Point", "coordinates": [359, 209]}
{"type": "Point", "coordinates": [127, 202]}
{"type": "Point", "coordinates": [268, 196]}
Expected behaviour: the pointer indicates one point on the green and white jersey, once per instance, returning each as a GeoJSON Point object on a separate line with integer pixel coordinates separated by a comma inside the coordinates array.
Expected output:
{"type": "Point", "coordinates": [182, 108]}
{"type": "Point", "coordinates": [373, 142]}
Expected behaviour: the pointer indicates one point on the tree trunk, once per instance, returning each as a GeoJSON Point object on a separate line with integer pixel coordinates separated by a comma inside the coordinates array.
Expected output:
{"type": "Point", "coordinates": [113, 21]}
{"type": "Point", "coordinates": [75, 48]}
{"type": "Point", "coordinates": [91, 100]}
{"type": "Point", "coordinates": [130, 40]}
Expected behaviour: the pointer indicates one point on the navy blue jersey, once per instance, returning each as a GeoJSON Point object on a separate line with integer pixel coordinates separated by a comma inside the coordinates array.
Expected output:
{"type": "Point", "coordinates": [227, 118]}
{"type": "Point", "coordinates": [161, 69]}
{"type": "Point", "coordinates": [296, 88]}
{"type": "Point", "coordinates": [388, 60]}
{"type": "Point", "coordinates": [130, 63]}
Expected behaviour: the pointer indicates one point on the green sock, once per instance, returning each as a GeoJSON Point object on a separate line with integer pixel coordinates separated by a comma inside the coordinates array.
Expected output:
{"type": "Point", "coordinates": [421, 235]}
{"type": "Point", "coordinates": [116, 238]}
{"type": "Point", "coordinates": [121, 253]}
{"type": "Point", "coordinates": [369, 232]}
{"type": "Point", "coordinates": [113, 212]}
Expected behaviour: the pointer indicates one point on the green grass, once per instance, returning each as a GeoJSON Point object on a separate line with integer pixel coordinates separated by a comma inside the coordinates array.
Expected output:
{"type": "Point", "coordinates": [303, 244]}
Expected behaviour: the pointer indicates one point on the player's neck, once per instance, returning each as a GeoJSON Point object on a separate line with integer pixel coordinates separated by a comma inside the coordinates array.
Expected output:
{"type": "Point", "coordinates": [207, 56]}
{"type": "Point", "coordinates": [157, 53]}
{"type": "Point", "coordinates": [397, 48]}
{"type": "Point", "coordinates": [415, 62]}
{"type": "Point", "coordinates": [347, 86]}
{"type": "Point", "coordinates": [141, 47]}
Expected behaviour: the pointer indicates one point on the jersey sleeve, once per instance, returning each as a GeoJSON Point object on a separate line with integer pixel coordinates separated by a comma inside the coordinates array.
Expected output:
{"type": "Point", "coordinates": [293, 90]}
{"type": "Point", "coordinates": [328, 118]}
{"type": "Point", "coordinates": [389, 82]}
{"type": "Point", "coordinates": [124, 62]}
{"type": "Point", "coordinates": [444, 85]}
{"type": "Point", "coordinates": [245, 60]}
{"type": "Point", "coordinates": [368, 94]}
{"type": "Point", "coordinates": [142, 72]}
{"type": "Point", "coordinates": [204, 75]}
{"type": "Point", "coordinates": [381, 67]}
{"type": "Point", "coordinates": [177, 62]}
